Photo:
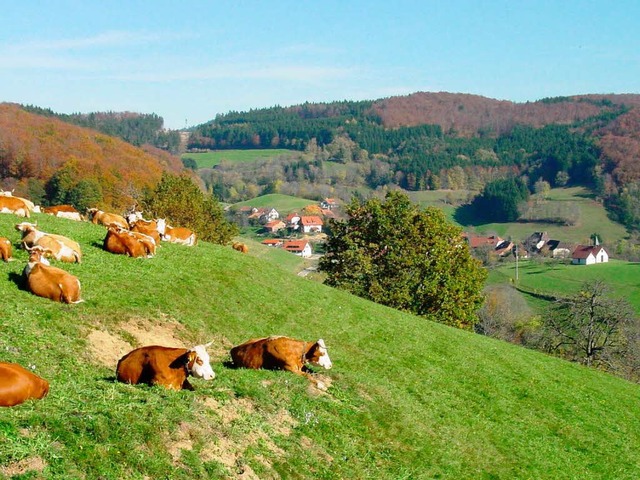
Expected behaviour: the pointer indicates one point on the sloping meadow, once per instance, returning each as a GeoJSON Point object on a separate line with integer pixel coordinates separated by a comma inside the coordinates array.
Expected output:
{"type": "Point", "coordinates": [407, 398]}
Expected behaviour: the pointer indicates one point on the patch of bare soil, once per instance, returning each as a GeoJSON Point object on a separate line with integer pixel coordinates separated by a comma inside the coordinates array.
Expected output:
{"type": "Point", "coordinates": [319, 384]}
{"type": "Point", "coordinates": [159, 332]}
{"type": "Point", "coordinates": [23, 466]}
{"type": "Point", "coordinates": [106, 348]}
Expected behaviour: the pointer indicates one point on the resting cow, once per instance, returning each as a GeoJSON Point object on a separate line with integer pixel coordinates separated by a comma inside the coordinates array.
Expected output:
{"type": "Point", "coordinates": [148, 227]}
{"type": "Point", "coordinates": [50, 282]}
{"type": "Point", "coordinates": [18, 384]}
{"type": "Point", "coordinates": [63, 211]}
{"type": "Point", "coordinates": [107, 219]}
{"type": "Point", "coordinates": [5, 249]}
{"type": "Point", "coordinates": [241, 247]}
{"type": "Point", "coordinates": [166, 366]}
{"type": "Point", "coordinates": [14, 205]}
{"type": "Point", "coordinates": [60, 247]}
{"type": "Point", "coordinates": [124, 242]}
{"type": "Point", "coordinates": [281, 353]}
{"type": "Point", "coordinates": [180, 235]}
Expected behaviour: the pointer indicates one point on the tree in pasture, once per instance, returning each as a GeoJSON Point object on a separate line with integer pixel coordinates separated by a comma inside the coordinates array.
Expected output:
{"type": "Point", "coordinates": [182, 203]}
{"type": "Point", "coordinates": [396, 254]}
{"type": "Point", "coordinates": [587, 326]}
{"type": "Point", "coordinates": [500, 199]}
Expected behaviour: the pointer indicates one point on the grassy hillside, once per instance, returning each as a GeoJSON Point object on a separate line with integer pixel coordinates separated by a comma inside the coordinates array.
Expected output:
{"type": "Point", "coordinates": [214, 157]}
{"type": "Point", "coordinates": [284, 204]}
{"type": "Point", "coordinates": [564, 280]}
{"type": "Point", "coordinates": [407, 399]}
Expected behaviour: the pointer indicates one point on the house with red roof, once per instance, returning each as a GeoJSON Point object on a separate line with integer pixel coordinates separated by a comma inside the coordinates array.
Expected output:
{"type": "Point", "coordinates": [589, 254]}
{"type": "Point", "coordinates": [311, 224]}
{"type": "Point", "coordinates": [298, 247]}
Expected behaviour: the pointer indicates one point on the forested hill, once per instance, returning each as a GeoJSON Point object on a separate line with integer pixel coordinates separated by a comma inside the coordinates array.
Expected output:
{"type": "Point", "coordinates": [51, 161]}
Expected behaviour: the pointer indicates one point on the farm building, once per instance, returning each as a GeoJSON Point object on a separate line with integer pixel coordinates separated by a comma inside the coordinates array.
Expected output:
{"type": "Point", "coordinates": [589, 254]}
{"type": "Point", "coordinates": [299, 247]}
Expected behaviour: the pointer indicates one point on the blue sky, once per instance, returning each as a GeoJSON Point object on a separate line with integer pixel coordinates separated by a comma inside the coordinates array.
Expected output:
{"type": "Point", "coordinates": [188, 61]}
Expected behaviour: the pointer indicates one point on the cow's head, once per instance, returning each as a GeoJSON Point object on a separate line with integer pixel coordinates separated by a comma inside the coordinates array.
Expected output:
{"type": "Point", "coordinates": [320, 355]}
{"type": "Point", "coordinates": [26, 227]}
{"type": "Point", "coordinates": [198, 362]}
{"type": "Point", "coordinates": [39, 254]}
{"type": "Point", "coordinates": [161, 225]}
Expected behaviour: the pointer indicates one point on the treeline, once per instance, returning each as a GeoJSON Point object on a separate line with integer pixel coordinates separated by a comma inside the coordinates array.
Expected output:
{"type": "Point", "coordinates": [135, 128]}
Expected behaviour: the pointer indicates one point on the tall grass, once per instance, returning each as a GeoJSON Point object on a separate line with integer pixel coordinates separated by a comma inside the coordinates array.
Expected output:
{"type": "Point", "coordinates": [408, 398]}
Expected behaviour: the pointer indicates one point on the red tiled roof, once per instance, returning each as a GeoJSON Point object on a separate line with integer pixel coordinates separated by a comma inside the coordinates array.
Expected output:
{"type": "Point", "coordinates": [295, 245]}
{"type": "Point", "coordinates": [583, 251]}
{"type": "Point", "coordinates": [311, 220]}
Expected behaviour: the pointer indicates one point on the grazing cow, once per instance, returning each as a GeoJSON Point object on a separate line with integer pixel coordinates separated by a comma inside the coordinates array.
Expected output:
{"type": "Point", "coordinates": [281, 353]}
{"type": "Point", "coordinates": [103, 218]}
{"type": "Point", "coordinates": [50, 282]}
{"type": "Point", "coordinates": [148, 227]}
{"type": "Point", "coordinates": [60, 247]}
{"type": "Point", "coordinates": [241, 247]}
{"type": "Point", "coordinates": [14, 205]}
{"type": "Point", "coordinates": [180, 235]}
{"type": "Point", "coordinates": [18, 384]}
{"type": "Point", "coordinates": [166, 366]}
{"type": "Point", "coordinates": [123, 242]}
{"type": "Point", "coordinates": [63, 211]}
{"type": "Point", "coordinates": [5, 249]}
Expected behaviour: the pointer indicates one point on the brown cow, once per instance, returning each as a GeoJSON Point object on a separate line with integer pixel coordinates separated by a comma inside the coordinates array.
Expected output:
{"type": "Point", "coordinates": [241, 247]}
{"type": "Point", "coordinates": [5, 249]}
{"type": "Point", "coordinates": [166, 366]}
{"type": "Point", "coordinates": [123, 242]}
{"type": "Point", "coordinates": [148, 227]}
{"type": "Point", "coordinates": [14, 205]}
{"type": "Point", "coordinates": [60, 247]}
{"type": "Point", "coordinates": [281, 353]}
{"type": "Point", "coordinates": [50, 282]}
{"type": "Point", "coordinates": [63, 211]}
{"type": "Point", "coordinates": [180, 235]}
{"type": "Point", "coordinates": [103, 218]}
{"type": "Point", "coordinates": [18, 384]}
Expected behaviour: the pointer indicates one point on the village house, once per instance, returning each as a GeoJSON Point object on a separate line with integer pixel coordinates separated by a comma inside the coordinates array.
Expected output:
{"type": "Point", "coordinates": [298, 247]}
{"type": "Point", "coordinates": [476, 241]}
{"type": "Point", "coordinates": [311, 224]}
{"type": "Point", "coordinates": [264, 215]}
{"type": "Point", "coordinates": [274, 226]}
{"type": "Point", "coordinates": [536, 241]}
{"type": "Point", "coordinates": [329, 204]}
{"type": "Point", "coordinates": [292, 220]}
{"type": "Point", "coordinates": [589, 255]}
{"type": "Point", "coordinates": [272, 242]}
{"type": "Point", "coordinates": [558, 249]}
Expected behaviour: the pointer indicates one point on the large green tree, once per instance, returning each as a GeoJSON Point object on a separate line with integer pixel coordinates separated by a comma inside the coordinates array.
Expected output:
{"type": "Point", "coordinates": [183, 204]}
{"type": "Point", "coordinates": [394, 253]}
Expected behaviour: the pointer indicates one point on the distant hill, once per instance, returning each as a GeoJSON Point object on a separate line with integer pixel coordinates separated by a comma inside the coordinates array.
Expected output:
{"type": "Point", "coordinates": [34, 148]}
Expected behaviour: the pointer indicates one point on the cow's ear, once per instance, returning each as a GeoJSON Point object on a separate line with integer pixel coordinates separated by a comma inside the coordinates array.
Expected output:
{"type": "Point", "coordinates": [191, 358]}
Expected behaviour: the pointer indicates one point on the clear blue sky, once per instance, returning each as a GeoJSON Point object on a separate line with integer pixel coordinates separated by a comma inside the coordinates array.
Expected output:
{"type": "Point", "coordinates": [188, 61]}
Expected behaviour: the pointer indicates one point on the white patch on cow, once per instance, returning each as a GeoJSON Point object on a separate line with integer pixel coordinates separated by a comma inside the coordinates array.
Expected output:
{"type": "Point", "coordinates": [202, 367]}
{"type": "Point", "coordinates": [324, 361]}
{"type": "Point", "coordinates": [162, 226]}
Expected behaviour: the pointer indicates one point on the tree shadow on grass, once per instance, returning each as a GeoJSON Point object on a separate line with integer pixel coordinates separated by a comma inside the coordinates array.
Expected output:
{"type": "Point", "coordinates": [467, 216]}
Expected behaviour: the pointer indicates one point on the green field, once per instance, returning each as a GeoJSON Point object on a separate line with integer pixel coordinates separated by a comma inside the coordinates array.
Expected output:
{"type": "Point", "coordinates": [215, 157]}
{"type": "Point", "coordinates": [558, 279]}
{"type": "Point", "coordinates": [284, 204]}
{"type": "Point", "coordinates": [408, 398]}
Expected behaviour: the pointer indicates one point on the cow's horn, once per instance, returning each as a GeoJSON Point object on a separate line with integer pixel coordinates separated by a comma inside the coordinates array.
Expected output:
{"type": "Point", "coordinates": [208, 344]}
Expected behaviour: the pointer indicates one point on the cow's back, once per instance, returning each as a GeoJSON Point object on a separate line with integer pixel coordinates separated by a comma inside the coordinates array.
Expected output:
{"type": "Point", "coordinates": [151, 365]}
{"type": "Point", "coordinates": [5, 249]}
{"type": "Point", "coordinates": [53, 283]}
{"type": "Point", "coordinates": [18, 384]}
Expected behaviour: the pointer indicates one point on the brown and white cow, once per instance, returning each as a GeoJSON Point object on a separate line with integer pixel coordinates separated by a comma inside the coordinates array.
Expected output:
{"type": "Point", "coordinates": [17, 384]}
{"type": "Point", "coordinates": [60, 247]}
{"type": "Point", "coordinates": [14, 205]}
{"type": "Point", "coordinates": [123, 242]}
{"type": "Point", "coordinates": [30, 205]}
{"type": "Point", "coordinates": [103, 218]}
{"type": "Point", "coordinates": [50, 282]}
{"type": "Point", "coordinates": [5, 249]}
{"type": "Point", "coordinates": [281, 353]}
{"type": "Point", "coordinates": [166, 366]}
{"type": "Point", "coordinates": [148, 227]}
{"type": "Point", "coordinates": [180, 235]}
{"type": "Point", "coordinates": [63, 211]}
{"type": "Point", "coordinates": [240, 247]}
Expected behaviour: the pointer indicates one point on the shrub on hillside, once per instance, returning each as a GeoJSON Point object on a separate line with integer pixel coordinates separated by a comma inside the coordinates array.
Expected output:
{"type": "Point", "coordinates": [183, 204]}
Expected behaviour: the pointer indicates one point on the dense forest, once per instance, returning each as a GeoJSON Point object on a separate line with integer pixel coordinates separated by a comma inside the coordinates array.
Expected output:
{"type": "Point", "coordinates": [52, 162]}
{"type": "Point", "coordinates": [135, 128]}
{"type": "Point", "coordinates": [431, 141]}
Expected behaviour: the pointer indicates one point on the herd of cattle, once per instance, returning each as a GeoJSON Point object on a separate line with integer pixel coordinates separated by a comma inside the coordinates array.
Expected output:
{"type": "Point", "coordinates": [152, 365]}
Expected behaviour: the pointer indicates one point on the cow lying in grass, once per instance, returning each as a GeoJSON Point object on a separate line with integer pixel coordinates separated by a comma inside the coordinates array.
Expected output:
{"type": "Point", "coordinates": [166, 366]}
{"type": "Point", "coordinates": [18, 384]}
{"type": "Point", "coordinates": [59, 247]}
{"type": "Point", "coordinates": [282, 353]}
{"type": "Point", "coordinates": [124, 242]}
{"type": "Point", "coordinates": [240, 247]}
{"type": "Point", "coordinates": [5, 249]}
{"type": "Point", "coordinates": [107, 219]}
{"type": "Point", "coordinates": [50, 282]}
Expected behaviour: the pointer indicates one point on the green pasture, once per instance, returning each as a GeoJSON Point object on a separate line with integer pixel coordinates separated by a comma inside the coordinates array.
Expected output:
{"type": "Point", "coordinates": [407, 398]}
{"type": "Point", "coordinates": [284, 204]}
{"type": "Point", "coordinates": [212, 158]}
{"type": "Point", "coordinates": [563, 280]}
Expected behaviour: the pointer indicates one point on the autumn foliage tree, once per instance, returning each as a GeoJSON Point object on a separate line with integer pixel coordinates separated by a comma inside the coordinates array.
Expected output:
{"type": "Point", "coordinates": [396, 254]}
{"type": "Point", "coordinates": [182, 203]}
